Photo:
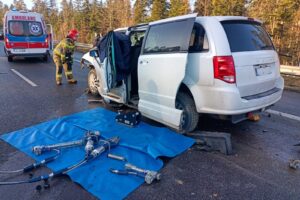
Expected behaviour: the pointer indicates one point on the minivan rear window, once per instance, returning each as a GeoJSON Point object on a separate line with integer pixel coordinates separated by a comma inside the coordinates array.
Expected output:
{"type": "Point", "coordinates": [247, 36]}
{"type": "Point", "coordinates": [25, 28]}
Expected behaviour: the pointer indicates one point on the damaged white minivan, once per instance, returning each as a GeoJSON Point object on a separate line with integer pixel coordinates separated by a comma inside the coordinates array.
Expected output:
{"type": "Point", "coordinates": [174, 69]}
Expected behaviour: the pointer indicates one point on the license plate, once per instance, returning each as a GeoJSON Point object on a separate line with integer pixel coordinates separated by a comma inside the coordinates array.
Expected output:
{"type": "Point", "coordinates": [19, 50]}
{"type": "Point", "coordinates": [262, 70]}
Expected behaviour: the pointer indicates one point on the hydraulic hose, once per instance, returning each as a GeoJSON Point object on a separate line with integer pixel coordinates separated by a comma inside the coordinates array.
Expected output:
{"type": "Point", "coordinates": [34, 165]}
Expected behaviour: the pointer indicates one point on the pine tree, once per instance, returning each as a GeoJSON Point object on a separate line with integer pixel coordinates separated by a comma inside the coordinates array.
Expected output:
{"type": "Point", "coordinates": [3, 10]}
{"type": "Point", "coordinates": [19, 5]}
{"type": "Point", "coordinates": [84, 31]}
{"type": "Point", "coordinates": [140, 11]}
{"type": "Point", "coordinates": [158, 10]}
{"type": "Point", "coordinates": [40, 6]}
{"type": "Point", "coordinates": [179, 7]}
{"type": "Point", "coordinates": [280, 19]}
{"type": "Point", "coordinates": [228, 7]}
{"type": "Point", "coordinates": [203, 7]}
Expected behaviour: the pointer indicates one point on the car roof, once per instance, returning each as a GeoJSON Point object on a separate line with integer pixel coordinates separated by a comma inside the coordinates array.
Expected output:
{"type": "Point", "coordinates": [228, 18]}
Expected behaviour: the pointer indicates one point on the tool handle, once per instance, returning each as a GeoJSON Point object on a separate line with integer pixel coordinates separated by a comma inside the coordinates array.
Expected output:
{"type": "Point", "coordinates": [66, 144]}
{"type": "Point", "coordinates": [40, 178]}
{"type": "Point", "coordinates": [134, 168]}
{"type": "Point", "coordinates": [38, 164]}
{"type": "Point", "coordinates": [119, 172]}
{"type": "Point", "coordinates": [116, 157]}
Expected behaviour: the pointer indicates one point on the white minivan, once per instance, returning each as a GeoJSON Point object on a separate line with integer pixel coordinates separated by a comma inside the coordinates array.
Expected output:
{"type": "Point", "coordinates": [174, 69]}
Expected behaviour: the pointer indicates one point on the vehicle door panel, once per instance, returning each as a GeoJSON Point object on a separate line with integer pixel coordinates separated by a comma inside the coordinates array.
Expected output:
{"type": "Point", "coordinates": [161, 67]}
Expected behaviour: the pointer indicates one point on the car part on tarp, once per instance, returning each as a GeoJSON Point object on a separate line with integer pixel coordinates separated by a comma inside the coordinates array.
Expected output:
{"type": "Point", "coordinates": [130, 119]}
{"type": "Point", "coordinates": [212, 141]}
{"type": "Point", "coordinates": [130, 169]}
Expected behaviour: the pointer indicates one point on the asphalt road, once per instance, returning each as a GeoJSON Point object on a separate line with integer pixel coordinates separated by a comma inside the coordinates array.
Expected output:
{"type": "Point", "coordinates": [257, 170]}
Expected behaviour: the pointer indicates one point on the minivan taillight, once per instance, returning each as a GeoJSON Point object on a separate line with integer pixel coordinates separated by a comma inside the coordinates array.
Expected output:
{"type": "Point", "coordinates": [224, 68]}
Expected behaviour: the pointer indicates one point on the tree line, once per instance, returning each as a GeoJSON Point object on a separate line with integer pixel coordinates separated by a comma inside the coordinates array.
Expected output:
{"type": "Point", "coordinates": [281, 17]}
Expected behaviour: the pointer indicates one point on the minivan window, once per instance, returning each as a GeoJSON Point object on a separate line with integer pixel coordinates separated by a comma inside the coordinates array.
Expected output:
{"type": "Point", "coordinates": [25, 28]}
{"type": "Point", "coordinates": [168, 38]}
{"type": "Point", "coordinates": [247, 36]}
{"type": "Point", "coordinates": [198, 41]}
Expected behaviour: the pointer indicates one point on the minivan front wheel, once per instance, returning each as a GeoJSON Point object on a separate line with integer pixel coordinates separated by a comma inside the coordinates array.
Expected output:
{"type": "Point", "coordinates": [190, 117]}
{"type": "Point", "coordinates": [93, 82]}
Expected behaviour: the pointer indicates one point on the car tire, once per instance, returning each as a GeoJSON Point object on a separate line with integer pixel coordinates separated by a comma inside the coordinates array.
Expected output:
{"type": "Point", "coordinates": [92, 82]}
{"type": "Point", "coordinates": [45, 58]}
{"type": "Point", "coordinates": [190, 117]}
{"type": "Point", "coordinates": [9, 58]}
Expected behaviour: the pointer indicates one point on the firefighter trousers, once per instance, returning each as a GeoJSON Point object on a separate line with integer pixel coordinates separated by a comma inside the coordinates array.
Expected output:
{"type": "Point", "coordinates": [60, 67]}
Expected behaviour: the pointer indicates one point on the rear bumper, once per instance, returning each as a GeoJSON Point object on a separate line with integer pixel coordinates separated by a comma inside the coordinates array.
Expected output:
{"type": "Point", "coordinates": [28, 53]}
{"type": "Point", "coordinates": [227, 100]}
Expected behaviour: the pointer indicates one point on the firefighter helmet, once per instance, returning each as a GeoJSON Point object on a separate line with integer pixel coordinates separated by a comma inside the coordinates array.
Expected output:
{"type": "Point", "coordinates": [73, 34]}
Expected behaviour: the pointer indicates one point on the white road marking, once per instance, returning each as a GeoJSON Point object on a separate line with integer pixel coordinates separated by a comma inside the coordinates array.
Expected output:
{"type": "Point", "coordinates": [77, 60]}
{"type": "Point", "coordinates": [24, 78]}
{"type": "Point", "coordinates": [289, 116]}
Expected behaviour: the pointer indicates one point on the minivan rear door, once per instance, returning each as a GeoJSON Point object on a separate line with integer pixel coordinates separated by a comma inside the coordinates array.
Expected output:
{"type": "Point", "coordinates": [256, 61]}
{"type": "Point", "coordinates": [161, 67]}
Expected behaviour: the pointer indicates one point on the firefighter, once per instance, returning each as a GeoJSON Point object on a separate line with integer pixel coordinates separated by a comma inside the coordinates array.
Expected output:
{"type": "Point", "coordinates": [63, 57]}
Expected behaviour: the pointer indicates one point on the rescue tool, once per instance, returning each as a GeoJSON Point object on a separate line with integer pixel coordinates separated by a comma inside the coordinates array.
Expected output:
{"type": "Point", "coordinates": [130, 169]}
{"type": "Point", "coordinates": [96, 152]}
{"type": "Point", "coordinates": [89, 140]}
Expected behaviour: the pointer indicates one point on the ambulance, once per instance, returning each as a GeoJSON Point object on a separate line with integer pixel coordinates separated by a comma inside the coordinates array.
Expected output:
{"type": "Point", "coordinates": [25, 35]}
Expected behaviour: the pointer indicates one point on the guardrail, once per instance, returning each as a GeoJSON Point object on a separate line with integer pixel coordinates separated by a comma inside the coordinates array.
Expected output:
{"type": "Point", "coordinates": [77, 44]}
{"type": "Point", "coordinates": [291, 70]}
{"type": "Point", "coordinates": [85, 46]}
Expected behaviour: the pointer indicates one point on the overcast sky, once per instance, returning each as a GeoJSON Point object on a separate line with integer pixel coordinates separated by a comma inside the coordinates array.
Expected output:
{"type": "Point", "coordinates": [29, 2]}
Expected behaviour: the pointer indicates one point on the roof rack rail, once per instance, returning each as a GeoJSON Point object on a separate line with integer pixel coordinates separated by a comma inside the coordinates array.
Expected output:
{"type": "Point", "coordinates": [137, 26]}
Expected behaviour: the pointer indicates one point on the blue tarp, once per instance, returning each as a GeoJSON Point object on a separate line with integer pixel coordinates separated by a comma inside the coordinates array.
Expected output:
{"type": "Point", "coordinates": [141, 146]}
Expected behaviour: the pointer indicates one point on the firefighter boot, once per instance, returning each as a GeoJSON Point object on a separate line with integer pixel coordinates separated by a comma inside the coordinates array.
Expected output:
{"type": "Point", "coordinates": [72, 81]}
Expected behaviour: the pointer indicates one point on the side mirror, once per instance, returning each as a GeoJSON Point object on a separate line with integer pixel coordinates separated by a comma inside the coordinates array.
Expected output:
{"type": "Point", "coordinates": [94, 53]}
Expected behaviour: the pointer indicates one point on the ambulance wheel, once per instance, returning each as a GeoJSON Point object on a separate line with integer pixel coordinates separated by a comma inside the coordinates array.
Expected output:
{"type": "Point", "coordinates": [9, 58]}
{"type": "Point", "coordinates": [190, 117]}
{"type": "Point", "coordinates": [92, 82]}
{"type": "Point", "coordinates": [45, 58]}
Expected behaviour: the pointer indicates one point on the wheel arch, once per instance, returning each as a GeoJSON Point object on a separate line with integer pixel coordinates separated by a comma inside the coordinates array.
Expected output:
{"type": "Point", "coordinates": [194, 92]}
{"type": "Point", "coordinates": [185, 97]}
{"type": "Point", "coordinates": [185, 89]}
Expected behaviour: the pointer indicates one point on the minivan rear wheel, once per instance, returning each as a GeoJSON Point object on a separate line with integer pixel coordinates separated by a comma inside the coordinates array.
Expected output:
{"type": "Point", "coordinates": [9, 58]}
{"type": "Point", "coordinates": [190, 117]}
{"type": "Point", "coordinates": [45, 58]}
